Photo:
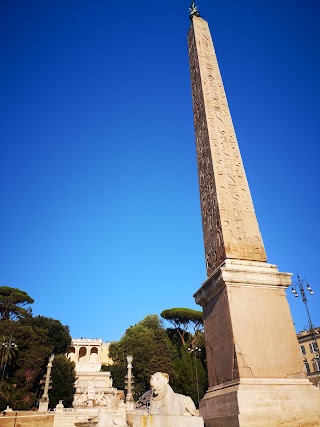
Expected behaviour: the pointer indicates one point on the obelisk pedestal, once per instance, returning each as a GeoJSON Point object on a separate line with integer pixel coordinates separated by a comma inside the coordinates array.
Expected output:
{"type": "Point", "coordinates": [255, 369]}
{"type": "Point", "coordinates": [256, 372]}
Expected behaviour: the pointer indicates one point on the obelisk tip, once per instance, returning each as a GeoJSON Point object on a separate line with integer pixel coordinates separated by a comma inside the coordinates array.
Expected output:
{"type": "Point", "coordinates": [193, 10]}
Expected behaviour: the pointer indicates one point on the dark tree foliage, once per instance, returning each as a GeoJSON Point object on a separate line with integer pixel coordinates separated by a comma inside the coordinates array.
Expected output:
{"type": "Point", "coordinates": [183, 319]}
{"type": "Point", "coordinates": [189, 375]}
{"type": "Point", "coordinates": [151, 349]}
{"type": "Point", "coordinates": [22, 400]}
{"type": "Point", "coordinates": [118, 373]}
{"type": "Point", "coordinates": [105, 368]}
{"type": "Point", "coordinates": [6, 390]}
{"type": "Point", "coordinates": [58, 335]}
{"type": "Point", "coordinates": [37, 338]}
{"type": "Point", "coordinates": [63, 378]}
{"type": "Point", "coordinates": [176, 340]}
{"type": "Point", "coordinates": [12, 301]}
{"type": "Point", "coordinates": [27, 367]}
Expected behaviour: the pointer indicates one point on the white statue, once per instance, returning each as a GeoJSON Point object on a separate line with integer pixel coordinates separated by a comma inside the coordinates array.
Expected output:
{"type": "Point", "coordinates": [81, 400]}
{"type": "Point", "coordinates": [91, 391]}
{"type": "Point", "coordinates": [103, 400]}
{"type": "Point", "coordinates": [165, 401]}
{"type": "Point", "coordinates": [107, 419]}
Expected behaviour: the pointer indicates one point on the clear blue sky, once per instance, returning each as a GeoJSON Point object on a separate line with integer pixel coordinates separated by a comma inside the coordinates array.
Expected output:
{"type": "Point", "coordinates": [100, 218]}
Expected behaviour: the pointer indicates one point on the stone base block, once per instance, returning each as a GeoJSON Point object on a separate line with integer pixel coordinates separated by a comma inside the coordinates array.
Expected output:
{"type": "Point", "coordinates": [262, 403]}
{"type": "Point", "coordinates": [164, 421]}
{"type": "Point", "coordinates": [43, 405]}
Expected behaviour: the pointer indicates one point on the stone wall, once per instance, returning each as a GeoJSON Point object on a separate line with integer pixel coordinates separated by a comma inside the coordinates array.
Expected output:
{"type": "Point", "coordinates": [26, 419]}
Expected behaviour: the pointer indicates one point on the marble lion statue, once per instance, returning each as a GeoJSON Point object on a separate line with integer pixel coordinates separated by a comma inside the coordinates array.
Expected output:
{"type": "Point", "coordinates": [165, 401]}
{"type": "Point", "coordinates": [108, 419]}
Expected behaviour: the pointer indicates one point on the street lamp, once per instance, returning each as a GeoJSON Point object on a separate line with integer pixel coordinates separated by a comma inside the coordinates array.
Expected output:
{"type": "Point", "coordinates": [7, 345]}
{"type": "Point", "coordinates": [299, 285]}
{"type": "Point", "coordinates": [195, 351]}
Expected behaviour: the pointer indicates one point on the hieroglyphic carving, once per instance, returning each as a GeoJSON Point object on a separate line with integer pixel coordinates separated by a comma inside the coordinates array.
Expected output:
{"type": "Point", "coordinates": [230, 227]}
{"type": "Point", "coordinates": [212, 231]}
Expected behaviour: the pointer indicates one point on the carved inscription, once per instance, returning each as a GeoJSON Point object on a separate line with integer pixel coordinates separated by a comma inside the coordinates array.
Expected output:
{"type": "Point", "coordinates": [230, 227]}
{"type": "Point", "coordinates": [212, 231]}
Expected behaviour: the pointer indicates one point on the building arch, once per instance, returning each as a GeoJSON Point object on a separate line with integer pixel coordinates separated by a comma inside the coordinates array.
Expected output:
{"type": "Point", "coordinates": [82, 354]}
{"type": "Point", "coordinates": [72, 354]}
{"type": "Point", "coordinates": [94, 355]}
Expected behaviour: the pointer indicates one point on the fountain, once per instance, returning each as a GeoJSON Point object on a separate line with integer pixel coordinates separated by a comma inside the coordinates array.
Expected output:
{"type": "Point", "coordinates": [162, 407]}
{"type": "Point", "coordinates": [86, 423]}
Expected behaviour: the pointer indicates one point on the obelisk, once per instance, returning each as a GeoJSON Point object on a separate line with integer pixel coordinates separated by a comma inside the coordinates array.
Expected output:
{"type": "Point", "coordinates": [255, 369]}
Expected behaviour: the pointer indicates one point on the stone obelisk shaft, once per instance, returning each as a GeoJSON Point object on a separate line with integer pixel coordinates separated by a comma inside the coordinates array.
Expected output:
{"type": "Point", "coordinates": [229, 222]}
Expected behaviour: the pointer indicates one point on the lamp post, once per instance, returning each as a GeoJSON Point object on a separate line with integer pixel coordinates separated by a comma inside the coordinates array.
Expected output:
{"type": "Point", "coordinates": [195, 351]}
{"type": "Point", "coordinates": [300, 285]}
{"type": "Point", "coordinates": [7, 345]}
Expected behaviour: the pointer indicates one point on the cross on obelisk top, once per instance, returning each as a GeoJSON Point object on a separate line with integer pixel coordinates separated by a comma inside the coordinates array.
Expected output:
{"type": "Point", "coordinates": [194, 10]}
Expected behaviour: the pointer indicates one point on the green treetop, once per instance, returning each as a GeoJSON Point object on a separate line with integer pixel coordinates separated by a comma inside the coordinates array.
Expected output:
{"type": "Point", "coordinates": [183, 319]}
{"type": "Point", "coordinates": [12, 301]}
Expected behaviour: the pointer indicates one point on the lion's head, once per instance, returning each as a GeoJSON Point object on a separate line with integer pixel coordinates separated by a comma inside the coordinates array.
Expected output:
{"type": "Point", "coordinates": [159, 382]}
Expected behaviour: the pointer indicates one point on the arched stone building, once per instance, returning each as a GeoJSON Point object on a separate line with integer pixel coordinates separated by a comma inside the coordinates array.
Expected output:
{"type": "Point", "coordinates": [89, 354]}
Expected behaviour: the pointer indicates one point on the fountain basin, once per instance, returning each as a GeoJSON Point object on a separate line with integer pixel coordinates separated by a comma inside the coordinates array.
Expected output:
{"type": "Point", "coordinates": [86, 423]}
